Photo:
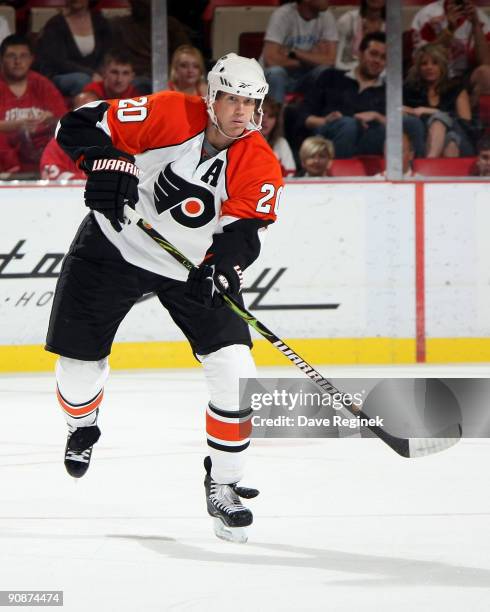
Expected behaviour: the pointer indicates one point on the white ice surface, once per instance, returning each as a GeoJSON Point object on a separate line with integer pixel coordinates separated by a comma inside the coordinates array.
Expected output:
{"type": "Point", "coordinates": [339, 524]}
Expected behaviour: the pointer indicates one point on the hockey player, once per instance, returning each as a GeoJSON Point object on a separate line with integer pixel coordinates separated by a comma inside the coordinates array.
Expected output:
{"type": "Point", "coordinates": [199, 171]}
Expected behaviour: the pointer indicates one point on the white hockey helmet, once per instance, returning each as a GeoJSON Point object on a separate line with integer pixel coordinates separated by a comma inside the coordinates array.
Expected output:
{"type": "Point", "coordinates": [238, 75]}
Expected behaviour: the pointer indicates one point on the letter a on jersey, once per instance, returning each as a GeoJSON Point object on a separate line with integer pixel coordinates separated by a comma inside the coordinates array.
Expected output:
{"type": "Point", "coordinates": [211, 175]}
{"type": "Point", "coordinates": [189, 204]}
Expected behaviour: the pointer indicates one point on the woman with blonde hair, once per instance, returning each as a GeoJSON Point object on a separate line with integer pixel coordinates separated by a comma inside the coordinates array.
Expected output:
{"type": "Point", "coordinates": [436, 108]}
{"type": "Point", "coordinates": [272, 132]}
{"type": "Point", "coordinates": [187, 71]}
{"type": "Point", "coordinates": [316, 155]}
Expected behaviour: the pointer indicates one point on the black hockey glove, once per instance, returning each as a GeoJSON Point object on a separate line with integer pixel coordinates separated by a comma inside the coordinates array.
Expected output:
{"type": "Point", "coordinates": [221, 271]}
{"type": "Point", "coordinates": [112, 182]}
{"type": "Point", "coordinates": [207, 282]}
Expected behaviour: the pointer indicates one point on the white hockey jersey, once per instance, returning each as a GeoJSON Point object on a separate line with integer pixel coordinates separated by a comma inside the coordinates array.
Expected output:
{"type": "Point", "coordinates": [185, 199]}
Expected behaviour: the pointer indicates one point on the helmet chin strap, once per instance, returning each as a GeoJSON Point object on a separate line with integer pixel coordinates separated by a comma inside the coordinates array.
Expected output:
{"type": "Point", "coordinates": [215, 122]}
{"type": "Point", "coordinates": [222, 132]}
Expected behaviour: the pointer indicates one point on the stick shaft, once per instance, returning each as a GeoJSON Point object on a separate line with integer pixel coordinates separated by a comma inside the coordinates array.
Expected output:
{"type": "Point", "coordinates": [399, 445]}
{"type": "Point", "coordinates": [240, 310]}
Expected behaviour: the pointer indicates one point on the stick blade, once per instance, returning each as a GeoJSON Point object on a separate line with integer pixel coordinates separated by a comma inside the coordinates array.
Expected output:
{"type": "Point", "coordinates": [419, 447]}
{"type": "Point", "coordinates": [422, 447]}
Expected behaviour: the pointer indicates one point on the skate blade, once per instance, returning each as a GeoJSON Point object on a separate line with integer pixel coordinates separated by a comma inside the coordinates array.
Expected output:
{"type": "Point", "coordinates": [230, 534]}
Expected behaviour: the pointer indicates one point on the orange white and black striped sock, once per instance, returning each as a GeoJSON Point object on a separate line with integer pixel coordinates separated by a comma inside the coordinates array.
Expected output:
{"type": "Point", "coordinates": [228, 430]}
{"type": "Point", "coordinates": [80, 387]}
{"type": "Point", "coordinates": [80, 414]}
{"type": "Point", "coordinates": [228, 427]}
{"type": "Point", "coordinates": [228, 434]}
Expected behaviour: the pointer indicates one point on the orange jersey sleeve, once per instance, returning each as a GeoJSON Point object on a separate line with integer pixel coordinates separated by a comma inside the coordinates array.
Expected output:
{"type": "Point", "coordinates": [150, 122]}
{"type": "Point", "coordinates": [254, 181]}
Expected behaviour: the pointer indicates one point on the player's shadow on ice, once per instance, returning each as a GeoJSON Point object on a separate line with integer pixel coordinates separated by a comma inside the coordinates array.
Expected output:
{"type": "Point", "coordinates": [387, 571]}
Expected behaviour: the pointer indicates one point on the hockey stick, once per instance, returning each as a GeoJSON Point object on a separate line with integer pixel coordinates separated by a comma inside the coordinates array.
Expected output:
{"type": "Point", "coordinates": [406, 447]}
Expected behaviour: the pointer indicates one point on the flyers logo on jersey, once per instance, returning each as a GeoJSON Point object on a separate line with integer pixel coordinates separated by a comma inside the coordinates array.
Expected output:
{"type": "Point", "coordinates": [189, 204]}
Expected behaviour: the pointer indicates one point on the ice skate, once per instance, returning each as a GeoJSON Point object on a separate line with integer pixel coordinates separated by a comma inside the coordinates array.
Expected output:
{"type": "Point", "coordinates": [230, 517]}
{"type": "Point", "coordinates": [78, 450]}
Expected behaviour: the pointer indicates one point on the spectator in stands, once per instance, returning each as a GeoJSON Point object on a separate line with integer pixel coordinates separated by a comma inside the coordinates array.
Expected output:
{"type": "Point", "coordinates": [300, 42]}
{"type": "Point", "coordinates": [55, 164]}
{"type": "Point", "coordinates": [117, 76]}
{"type": "Point", "coordinates": [84, 97]}
{"type": "Point", "coordinates": [4, 28]}
{"type": "Point", "coordinates": [483, 161]}
{"type": "Point", "coordinates": [30, 106]}
{"type": "Point", "coordinates": [353, 26]}
{"type": "Point", "coordinates": [190, 13]}
{"type": "Point", "coordinates": [272, 132]}
{"type": "Point", "coordinates": [316, 155]}
{"type": "Point", "coordinates": [72, 45]}
{"type": "Point", "coordinates": [465, 32]}
{"type": "Point", "coordinates": [8, 160]}
{"type": "Point", "coordinates": [436, 106]}
{"type": "Point", "coordinates": [133, 34]}
{"type": "Point", "coordinates": [408, 154]}
{"type": "Point", "coordinates": [349, 108]}
{"type": "Point", "coordinates": [187, 71]}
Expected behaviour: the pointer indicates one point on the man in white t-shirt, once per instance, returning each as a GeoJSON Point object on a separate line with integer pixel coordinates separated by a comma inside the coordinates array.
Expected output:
{"type": "Point", "coordinates": [465, 32]}
{"type": "Point", "coordinates": [300, 42]}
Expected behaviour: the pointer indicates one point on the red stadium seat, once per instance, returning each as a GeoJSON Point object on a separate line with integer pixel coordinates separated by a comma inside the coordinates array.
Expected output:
{"type": "Point", "coordinates": [373, 164]}
{"type": "Point", "coordinates": [22, 14]}
{"type": "Point", "coordinates": [444, 166]}
{"type": "Point", "coordinates": [250, 44]}
{"type": "Point", "coordinates": [364, 165]}
{"type": "Point", "coordinates": [209, 10]}
{"type": "Point", "coordinates": [347, 167]}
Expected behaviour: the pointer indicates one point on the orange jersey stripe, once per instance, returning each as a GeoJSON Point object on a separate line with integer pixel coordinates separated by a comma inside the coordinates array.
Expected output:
{"type": "Point", "coordinates": [253, 180]}
{"type": "Point", "coordinates": [164, 119]}
{"type": "Point", "coordinates": [232, 432]}
{"type": "Point", "coordinates": [77, 412]}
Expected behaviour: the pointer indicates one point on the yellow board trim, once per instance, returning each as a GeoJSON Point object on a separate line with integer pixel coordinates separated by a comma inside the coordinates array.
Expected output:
{"type": "Point", "coordinates": [339, 351]}
{"type": "Point", "coordinates": [458, 350]}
